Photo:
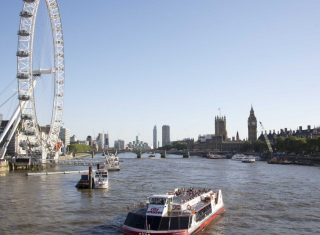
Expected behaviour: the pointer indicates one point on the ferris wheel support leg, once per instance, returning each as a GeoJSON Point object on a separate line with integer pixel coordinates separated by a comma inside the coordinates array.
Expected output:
{"type": "Point", "coordinates": [14, 117]}
{"type": "Point", "coordinates": [13, 130]}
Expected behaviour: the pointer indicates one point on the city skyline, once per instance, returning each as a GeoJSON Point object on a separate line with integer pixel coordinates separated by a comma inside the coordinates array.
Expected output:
{"type": "Point", "coordinates": [230, 55]}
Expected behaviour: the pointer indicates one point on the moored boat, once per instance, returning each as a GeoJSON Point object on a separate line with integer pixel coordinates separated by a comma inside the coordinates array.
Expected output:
{"type": "Point", "coordinates": [99, 179]}
{"type": "Point", "coordinates": [181, 212]}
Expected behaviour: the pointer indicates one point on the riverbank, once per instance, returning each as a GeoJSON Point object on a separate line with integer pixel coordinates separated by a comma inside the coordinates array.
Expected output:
{"type": "Point", "coordinates": [76, 156]}
{"type": "Point", "coordinates": [296, 160]}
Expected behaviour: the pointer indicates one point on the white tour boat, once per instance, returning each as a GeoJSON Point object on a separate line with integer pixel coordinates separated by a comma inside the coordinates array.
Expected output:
{"type": "Point", "coordinates": [215, 156]}
{"type": "Point", "coordinates": [113, 162]}
{"type": "Point", "coordinates": [99, 179]}
{"type": "Point", "coordinates": [238, 157]}
{"type": "Point", "coordinates": [249, 159]}
{"type": "Point", "coordinates": [181, 212]}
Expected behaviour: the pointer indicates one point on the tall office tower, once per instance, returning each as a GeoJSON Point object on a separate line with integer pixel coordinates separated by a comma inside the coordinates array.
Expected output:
{"type": "Point", "coordinates": [100, 141]}
{"type": "Point", "coordinates": [119, 144]}
{"type": "Point", "coordinates": [106, 140]}
{"type": "Point", "coordinates": [221, 127]}
{"type": "Point", "coordinates": [165, 135]}
{"type": "Point", "coordinates": [155, 137]}
{"type": "Point", "coordinates": [252, 127]}
{"type": "Point", "coordinates": [64, 135]}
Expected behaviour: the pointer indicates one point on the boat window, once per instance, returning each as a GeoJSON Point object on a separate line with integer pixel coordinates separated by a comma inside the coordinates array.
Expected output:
{"type": "Point", "coordinates": [84, 177]}
{"type": "Point", "coordinates": [157, 201]}
{"type": "Point", "coordinates": [179, 222]}
{"type": "Point", "coordinates": [204, 212]}
{"type": "Point", "coordinates": [153, 222]}
{"type": "Point", "coordinates": [135, 221]}
{"type": "Point", "coordinates": [164, 224]}
{"type": "Point", "coordinates": [157, 223]}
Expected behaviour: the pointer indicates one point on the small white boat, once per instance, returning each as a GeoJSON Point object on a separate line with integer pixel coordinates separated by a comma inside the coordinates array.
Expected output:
{"type": "Point", "coordinates": [112, 162]}
{"type": "Point", "coordinates": [238, 157]}
{"type": "Point", "coordinates": [215, 156]}
{"type": "Point", "coordinates": [99, 179]}
{"type": "Point", "coordinates": [249, 159]}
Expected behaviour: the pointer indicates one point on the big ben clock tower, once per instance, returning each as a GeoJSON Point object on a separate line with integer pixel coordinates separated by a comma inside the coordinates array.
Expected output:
{"type": "Point", "coordinates": [252, 127]}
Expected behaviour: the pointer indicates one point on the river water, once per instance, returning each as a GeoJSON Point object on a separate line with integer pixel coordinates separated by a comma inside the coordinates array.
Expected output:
{"type": "Point", "coordinates": [259, 198]}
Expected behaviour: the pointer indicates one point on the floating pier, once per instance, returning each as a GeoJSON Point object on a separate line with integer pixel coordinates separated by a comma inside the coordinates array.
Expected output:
{"type": "Point", "coordinates": [55, 173]}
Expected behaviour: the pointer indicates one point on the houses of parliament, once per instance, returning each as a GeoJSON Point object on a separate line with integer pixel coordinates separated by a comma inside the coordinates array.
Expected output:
{"type": "Point", "coordinates": [220, 141]}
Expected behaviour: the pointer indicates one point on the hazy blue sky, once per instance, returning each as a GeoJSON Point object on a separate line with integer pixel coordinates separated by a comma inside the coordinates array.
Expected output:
{"type": "Point", "coordinates": [133, 64]}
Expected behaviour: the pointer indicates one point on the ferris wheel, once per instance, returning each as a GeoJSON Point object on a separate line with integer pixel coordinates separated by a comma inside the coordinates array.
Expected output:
{"type": "Point", "coordinates": [34, 140]}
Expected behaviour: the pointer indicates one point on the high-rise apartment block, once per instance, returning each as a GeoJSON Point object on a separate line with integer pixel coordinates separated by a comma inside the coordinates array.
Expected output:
{"type": "Point", "coordinates": [165, 135]}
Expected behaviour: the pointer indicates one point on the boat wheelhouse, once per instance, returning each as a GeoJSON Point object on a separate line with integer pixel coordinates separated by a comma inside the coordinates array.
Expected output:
{"type": "Point", "coordinates": [183, 211]}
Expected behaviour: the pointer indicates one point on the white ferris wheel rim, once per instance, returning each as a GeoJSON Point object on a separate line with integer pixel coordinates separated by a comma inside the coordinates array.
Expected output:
{"type": "Point", "coordinates": [26, 76]}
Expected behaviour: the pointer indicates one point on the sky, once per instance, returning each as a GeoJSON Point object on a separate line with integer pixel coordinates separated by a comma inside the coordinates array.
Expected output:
{"type": "Point", "coordinates": [133, 64]}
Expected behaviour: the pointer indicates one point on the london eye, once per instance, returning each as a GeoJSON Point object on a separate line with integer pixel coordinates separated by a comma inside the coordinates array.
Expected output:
{"type": "Point", "coordinates": [33, 140]}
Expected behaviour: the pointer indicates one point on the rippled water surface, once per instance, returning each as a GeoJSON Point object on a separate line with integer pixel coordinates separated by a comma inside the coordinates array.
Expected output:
{"type": "Point", "coordinates": [259, 198]}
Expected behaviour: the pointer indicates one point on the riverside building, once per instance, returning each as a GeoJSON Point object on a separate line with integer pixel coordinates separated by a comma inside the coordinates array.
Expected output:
{"type": "Point", "coordinates": [64, 136]}
{"type": "Point", "coordinates": [165, 135]}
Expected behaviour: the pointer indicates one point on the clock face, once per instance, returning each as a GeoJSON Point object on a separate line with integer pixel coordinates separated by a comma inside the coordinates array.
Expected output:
{"type": "Point", "coordinates": [253, 123]}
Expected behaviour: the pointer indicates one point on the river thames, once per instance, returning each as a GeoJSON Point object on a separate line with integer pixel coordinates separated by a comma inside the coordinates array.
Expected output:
{"type": "Point", "coordinates": [259, 198]}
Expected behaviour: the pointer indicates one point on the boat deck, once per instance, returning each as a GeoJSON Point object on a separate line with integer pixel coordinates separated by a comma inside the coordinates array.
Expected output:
{"type": "Point", "coordinates": [183, 195]}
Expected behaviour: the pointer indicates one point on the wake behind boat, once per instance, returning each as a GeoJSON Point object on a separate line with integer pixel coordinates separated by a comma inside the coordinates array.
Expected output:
{"type": "Point", "coordinates": [181, 212]}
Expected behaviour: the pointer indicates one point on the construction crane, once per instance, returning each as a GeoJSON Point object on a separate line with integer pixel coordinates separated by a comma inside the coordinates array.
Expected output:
{"type": "Point", "coordinates": [266, 138]}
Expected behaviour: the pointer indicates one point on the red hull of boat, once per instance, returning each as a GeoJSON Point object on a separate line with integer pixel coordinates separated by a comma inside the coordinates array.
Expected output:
{"type": "Point", "coordinates": [126, 231]}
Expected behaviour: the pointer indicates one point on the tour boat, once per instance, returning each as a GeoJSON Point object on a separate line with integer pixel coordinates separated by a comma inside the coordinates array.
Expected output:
{"type": "Point", "coordinates": [99, 179]}
{"type": "Point", "coordinates": [112, 162]}
{"type": "Point", "coordinates": [249, 159]}
{"type": "Point", "coordinates": [215, 156]}
{"type": "Point", "coordinates": [238, 157]}
{"type": "Point", "coordinates": [181, 212]}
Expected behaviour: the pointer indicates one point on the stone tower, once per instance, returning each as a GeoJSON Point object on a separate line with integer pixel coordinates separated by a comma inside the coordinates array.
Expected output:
{"type": "Point", "coordinates": [252, 127]}
{"type": "Point", "coordinates": [221, 127]}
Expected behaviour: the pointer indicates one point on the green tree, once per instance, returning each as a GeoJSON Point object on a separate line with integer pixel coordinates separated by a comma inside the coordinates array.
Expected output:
{"type": "Point", "coordinates": [79, 148]}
